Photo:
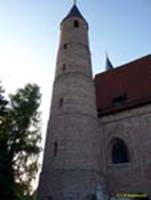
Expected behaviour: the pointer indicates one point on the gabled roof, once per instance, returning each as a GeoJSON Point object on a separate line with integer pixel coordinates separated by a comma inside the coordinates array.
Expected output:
{"type": "Point", "coordinates": [74, 12]}
{"type": "Point", "coordinates": [125, 87]}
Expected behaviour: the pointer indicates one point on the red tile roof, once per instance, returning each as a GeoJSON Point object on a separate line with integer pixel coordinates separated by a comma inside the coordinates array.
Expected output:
{"type": "Point", "coordinates": [124, 87]}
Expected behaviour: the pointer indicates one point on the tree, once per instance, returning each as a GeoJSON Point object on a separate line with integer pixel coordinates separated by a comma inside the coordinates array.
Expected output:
{"type": "Point", "coordinates": [3, 103]}
{"type": "Point", "coordinates": [3, 144]}
{"type": "Point", "coordinates": [20, 138]}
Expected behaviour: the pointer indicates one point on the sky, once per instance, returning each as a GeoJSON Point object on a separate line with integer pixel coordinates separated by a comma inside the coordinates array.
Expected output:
{"type": "Point", "coordinates": [29, 38]}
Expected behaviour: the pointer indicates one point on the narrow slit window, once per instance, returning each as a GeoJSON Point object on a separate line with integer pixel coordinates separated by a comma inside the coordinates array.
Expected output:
{"type": "Point", "coordinates": [64, 67]}
{"type": "Point", "coordinates": [55, 150]}
{"type": "Point", "coordinates": [61, 102]}
{"type": "Point", "coordinates": [65, 46]}
{"type": "Point", "coordinates": [76, 23]}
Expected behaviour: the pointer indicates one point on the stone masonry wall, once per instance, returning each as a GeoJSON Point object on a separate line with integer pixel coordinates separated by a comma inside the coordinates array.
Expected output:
{"type": "Point", "coordinates": [134, 127]}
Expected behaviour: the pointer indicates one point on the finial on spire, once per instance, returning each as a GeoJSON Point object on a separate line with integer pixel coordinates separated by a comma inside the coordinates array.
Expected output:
{"type": "Point", "coordinates": [75, 2]}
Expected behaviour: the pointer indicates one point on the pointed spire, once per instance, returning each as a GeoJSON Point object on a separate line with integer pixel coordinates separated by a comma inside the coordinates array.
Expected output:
{"type": "Point", "coordinates": [74, 12]}
{"type": "Point", "coordinates": [108, 64]}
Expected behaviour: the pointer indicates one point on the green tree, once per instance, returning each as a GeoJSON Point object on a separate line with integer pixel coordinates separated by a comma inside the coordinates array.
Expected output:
{"type": "Point", "coordinates": [20, 138]}
{"type": "Point", "coordinates": [3, 102]}
{"type": "Point", "coordinates": [4, 166]}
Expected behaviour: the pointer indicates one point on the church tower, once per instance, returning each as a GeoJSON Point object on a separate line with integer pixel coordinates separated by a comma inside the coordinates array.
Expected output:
{"type": "Point", "coordinates": [71, 159]}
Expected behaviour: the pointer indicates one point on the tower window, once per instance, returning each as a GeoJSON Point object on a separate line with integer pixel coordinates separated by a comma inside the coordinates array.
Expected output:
{"type": "Point", "coordinates": [65, 46]}
{"type": "Point", "coordinates": [61, 102]}
{"type": "Point", "coordinates": [119, 152]}
{"type": "Point", "coordinates": [76, 23]}
{"type": "Point", "coordinates": [55, 150]}
{"type": "Point", "coordinates": [64, 67]}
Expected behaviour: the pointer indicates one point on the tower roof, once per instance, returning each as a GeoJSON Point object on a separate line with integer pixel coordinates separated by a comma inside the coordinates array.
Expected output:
{"type": "Point", "coordinates": [74, 12]}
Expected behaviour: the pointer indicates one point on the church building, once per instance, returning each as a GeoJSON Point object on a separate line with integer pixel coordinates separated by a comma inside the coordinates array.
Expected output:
{"type": "Point", "coordinates": [98, 142]}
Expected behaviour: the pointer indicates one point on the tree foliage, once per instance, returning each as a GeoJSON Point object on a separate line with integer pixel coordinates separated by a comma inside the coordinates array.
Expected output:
{"type": "Point", "coordinates": [20, 138]}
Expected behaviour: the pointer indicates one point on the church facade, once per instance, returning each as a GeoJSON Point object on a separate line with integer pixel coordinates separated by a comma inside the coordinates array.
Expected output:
{"type": "Point", "coordinates": [99, 131]}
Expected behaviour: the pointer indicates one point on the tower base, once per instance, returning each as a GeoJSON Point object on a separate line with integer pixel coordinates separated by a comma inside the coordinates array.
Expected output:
{"type": "Point", "coordinates": [69, 185]}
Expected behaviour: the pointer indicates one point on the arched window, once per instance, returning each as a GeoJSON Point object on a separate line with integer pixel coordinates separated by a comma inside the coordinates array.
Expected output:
{"type": "Point", "coordinates": [119, 152]}
{"type": "Point", "coordinates": [76, 23]}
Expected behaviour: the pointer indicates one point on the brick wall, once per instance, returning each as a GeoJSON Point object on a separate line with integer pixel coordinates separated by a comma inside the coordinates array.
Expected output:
{"type": "Point", "coordinates": [134, 127]}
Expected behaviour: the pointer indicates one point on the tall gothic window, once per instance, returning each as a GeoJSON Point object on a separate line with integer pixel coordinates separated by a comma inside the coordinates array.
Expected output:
{"type": "Point", "coordinates": [119, 152]}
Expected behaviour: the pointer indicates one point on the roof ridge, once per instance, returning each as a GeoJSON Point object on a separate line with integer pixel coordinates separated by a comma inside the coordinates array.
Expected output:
{"type": "Point", "coordinates": [135, 60]}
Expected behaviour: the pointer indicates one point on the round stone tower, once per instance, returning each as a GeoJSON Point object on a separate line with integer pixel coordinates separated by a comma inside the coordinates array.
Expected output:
{"type": "Point", "coordinates": [71, 159]}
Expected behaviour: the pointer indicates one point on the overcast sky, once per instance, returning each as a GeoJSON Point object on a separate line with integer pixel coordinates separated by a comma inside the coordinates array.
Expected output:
{"type": "Point", "coordinates": [29, 36]}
